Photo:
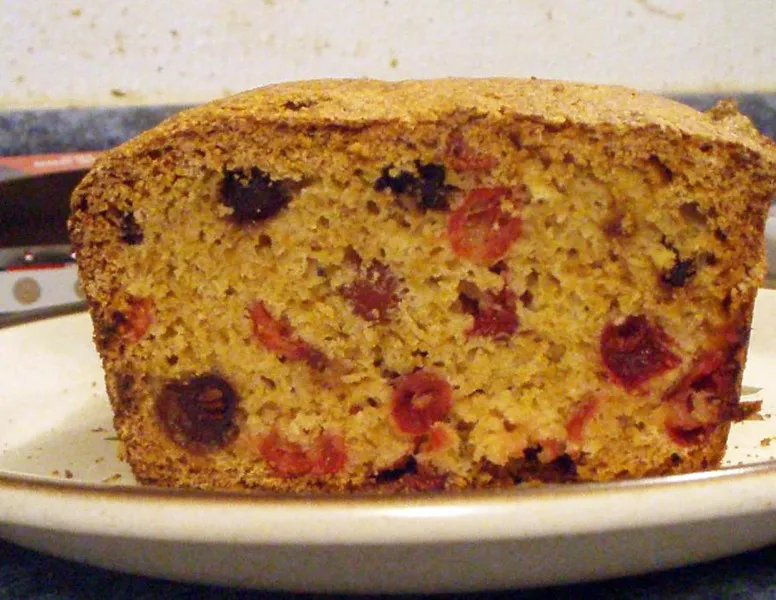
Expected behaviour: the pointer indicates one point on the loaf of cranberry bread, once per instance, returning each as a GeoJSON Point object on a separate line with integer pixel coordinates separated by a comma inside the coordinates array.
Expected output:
{"type": "Point", "coordinates": [360, 285]}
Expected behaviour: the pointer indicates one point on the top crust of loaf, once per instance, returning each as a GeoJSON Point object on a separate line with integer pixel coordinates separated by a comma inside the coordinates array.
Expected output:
{"type": "Point", "coordinates": [358, 102]}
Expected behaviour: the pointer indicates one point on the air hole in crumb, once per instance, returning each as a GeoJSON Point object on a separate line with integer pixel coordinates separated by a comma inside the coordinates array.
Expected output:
{"type": "Point", "coordinates": [499, 268]}
{"type": "Point", "coordinates": [270, 383]}
{"type": "Point", "coordinates": [691, 213]}
{"type": "Point", "coordinates": [727, 302]}
{"type": "Point", "coordinates": [372, 208]}
{"type": "Point", "coordinates": [172, 360]}
{"type": "Point", "coordinates": [372, 402]}
{"type": "Point", "coordinates": [323, 222]}
{"type": "Point", "coordinates": [264, 241]}
{"type": "Point", "coordinates": [556, 352]}
{"type": "Point", "coordinates": [720, 235]}
{"type": "Point", "coordinates": [351, 257]}
{"type": "Point", "coordinates": [295, 105]}
{"type": "Point", "coordinates": [707, 258]}
{"type": "Point", "coordinates": [531, 279]}
{"type": "Point", "coordinates": [666, 174]}
{"type": "Point", "coordinates": [572, 253]}
{"type": "Point", "coordinates": [676, 459]}
{"type": "Point", "coordinates": [526, 298]}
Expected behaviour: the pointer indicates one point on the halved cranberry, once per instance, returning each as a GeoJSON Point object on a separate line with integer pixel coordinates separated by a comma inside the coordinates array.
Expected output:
{"type": "Point", "coordinates": [285, 458]}
{"type": "Point", "coordinates": [635, 351]}
{"type": "Point", "coordinates": [420, 399]}
{"type": "Point", "coordinates": [479, 229]}
{"type": "Point", "coordinates": [327, 455]}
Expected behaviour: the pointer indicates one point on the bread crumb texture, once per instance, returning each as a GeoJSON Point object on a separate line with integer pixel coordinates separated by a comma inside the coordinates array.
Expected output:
{"type": "Point", "coordinates": [425, 285]}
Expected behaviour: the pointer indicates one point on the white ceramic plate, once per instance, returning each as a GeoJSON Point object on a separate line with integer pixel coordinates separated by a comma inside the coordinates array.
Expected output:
{"type": "Point", "coordinates": [63, 491]}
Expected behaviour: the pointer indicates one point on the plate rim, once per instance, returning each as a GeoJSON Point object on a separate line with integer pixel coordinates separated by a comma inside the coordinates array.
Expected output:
{"type": "Point", "coordinates": [754, 485]}
{"type": "Point", "coordinates": [481, 515]}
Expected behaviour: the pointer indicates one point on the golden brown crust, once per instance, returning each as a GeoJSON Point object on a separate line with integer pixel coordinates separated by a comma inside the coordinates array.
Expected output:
{"type": "Point", "coordinates": [630, 205]}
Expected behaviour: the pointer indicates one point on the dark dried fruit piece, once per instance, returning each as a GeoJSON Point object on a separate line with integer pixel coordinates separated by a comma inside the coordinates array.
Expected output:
{"type": "Point", "coordinates": [494, 315]}
{"type": "Point", "coordinates": [326, 456]}
{"type": "Point", "coordinates": [419, 400]}
{"type": "Point", "coordinates": [398, 184]}
{"type": "Point", "coordinates": [680, 273]}
{"type": "Point", "coordinates": [409, 476]}
{"type": "Point", "coordinates": [636, 351]}
{"type": "Point", "coordinates": [374, 294]}
{"type": "Point", "coordinates": [199, 413]}
{"type": "Point", "coordinates": [485, 225]}
{"type": "Point", "coordinates": [433, 191]}
{"type": "Point", "coordinates": [426, 186]}
{"type": "Point", "coordinates": [129, 231]}
{"type": "Point", "coordinates": [253, 195]}
{"type": "Point", "coordinates": [278, 336]}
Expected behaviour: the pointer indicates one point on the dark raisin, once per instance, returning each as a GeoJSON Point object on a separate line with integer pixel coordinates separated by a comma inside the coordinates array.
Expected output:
{"type": "Point", "coordinates": [680, 273]}
{"type": "Point", "coordinates": [398, 184]}
{"type": "Point", "coordinates": [129, 231]}
{"type": "Point", "coordinates": [253, 195]}
{"type": "Point", "coordinates": [199, 413]}
{"type": "Point", "coordinates": [427, 188]}
{"type": "Point", "coordinates": [433, 191]}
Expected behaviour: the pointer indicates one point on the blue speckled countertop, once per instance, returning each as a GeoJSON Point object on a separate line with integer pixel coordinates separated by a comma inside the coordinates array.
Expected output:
{"type": "Point", "coordinates": [26, 574]}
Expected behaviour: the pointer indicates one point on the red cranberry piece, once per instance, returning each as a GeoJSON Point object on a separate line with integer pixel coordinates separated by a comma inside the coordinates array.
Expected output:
{"type": "Point", "coordinates": [704, 398]}
{"type": "Point", "coordinates": [420, 399]}
{"type": "Point", "coordinates": [636, 351]}
{"type": "Point", "coordinates": [479, 229]}
{"type": "Point", "coordinates": [326, 456]}
{"type": "Point", "coordinates": [462, 157]}
{"type": "Point", "coordinates": [285, 458]}
{"type": "Point", "coordinates": [374, 294]}
{"type": "Point", "coordinates": [494, 315]}
{"type": "Point", "coordinates": [579, 418]}
{"type": "Point", "coordinates": [198, 413]}
{"type": "Point", "coordinates": [133, 323]}
{"type": "Point", "coordinates": [278, 336]}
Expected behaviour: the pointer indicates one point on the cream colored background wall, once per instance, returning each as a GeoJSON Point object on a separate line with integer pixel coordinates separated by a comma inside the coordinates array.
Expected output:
{"type": "Point", "coordinates": [63, 52]}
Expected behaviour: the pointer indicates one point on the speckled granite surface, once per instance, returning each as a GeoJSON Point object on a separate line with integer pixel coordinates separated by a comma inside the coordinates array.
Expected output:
{"type": "Point", "coordinates": [28, 575]}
